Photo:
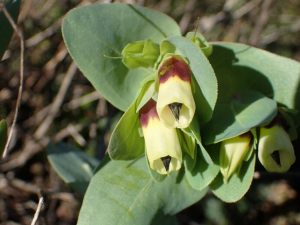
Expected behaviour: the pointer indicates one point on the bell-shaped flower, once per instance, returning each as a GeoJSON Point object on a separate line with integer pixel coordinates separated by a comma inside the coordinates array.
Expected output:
{"type": "Point", "coordinates": [275, 150]}
{"type": "Point", "coordinates": [140, 54]}
{"type": "Point", "coordinates": [175, 102]}
{"type": "Point", "coordinates": [232, 153]}
{"type": "Point", "coordinates": [162, 144]}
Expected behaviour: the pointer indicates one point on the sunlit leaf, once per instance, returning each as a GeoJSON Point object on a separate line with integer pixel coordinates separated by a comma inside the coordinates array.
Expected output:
{"type": "Point", "coordinates": [240, 67]}
{"type": "Point", "coordinates": [243, 111]}
{"type": "Point", "coordinates": [123, 192]}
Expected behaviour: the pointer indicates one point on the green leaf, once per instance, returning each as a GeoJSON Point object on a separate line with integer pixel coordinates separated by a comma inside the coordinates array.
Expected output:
{"type": "Point", "coordinates": [203, 173]}
{"type": "Point", "coordinates": [239, 67]}
{"type": "Point", "coordinates": [206, 93]}
{"type": "Point", "coordinates": [6, 29]}
{"type": "Point", "coordinates": [3, 135]}
{"type": "Point", "coordinates": [90, 32]}
{"type": "Point", "coordinates": [123, 192]}
{"type": "Point", "coordinates": [126, 142]}
{"type": "Point", "coordinates": [237, 185]}
{"type": "Point", "coordinates": [243, 111]}
{"type": "Point", "coordinates": [75, 167]}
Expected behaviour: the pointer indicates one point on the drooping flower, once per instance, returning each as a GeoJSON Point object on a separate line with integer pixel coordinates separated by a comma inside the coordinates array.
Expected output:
{"type": "Point", "coordinates": [275, 150]}
{"type": "Point", "coordinates": [175, 102]}
{"type": "Point", "coordinates": [162, 143]}
{"type": "Point", "coordinates": [232, 153]}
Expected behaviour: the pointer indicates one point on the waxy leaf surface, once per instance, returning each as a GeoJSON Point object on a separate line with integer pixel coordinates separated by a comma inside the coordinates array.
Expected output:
{"type": "Point", "coordinates": [244, 111]}
{"type": "Point", "coordinates": [90, 32]}
{"type": "Point", "coordinates": [240, 67]}
{"type": "Point", "coordinates": [123, 192]}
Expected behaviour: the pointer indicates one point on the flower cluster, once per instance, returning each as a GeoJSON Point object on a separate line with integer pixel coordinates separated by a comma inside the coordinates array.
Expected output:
{"type": "Point", "coordinates": [168, 108]}
{"type": "Point", "coordinates": [175, 108]}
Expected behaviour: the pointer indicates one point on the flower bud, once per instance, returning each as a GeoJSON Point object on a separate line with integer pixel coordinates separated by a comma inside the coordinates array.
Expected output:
{"type": "Point", "coordinates": [200, 40]}
{"type": "Point", "coordinates": [140, 54]}
{"type": "Point", "coordinates": [232, 153]}
{"type": "Point", "coordinates": [175, 103]}
{"type": "Point", "coordinates": [162, 144]}
{"type": "Point", "coordinates": [275, 150]}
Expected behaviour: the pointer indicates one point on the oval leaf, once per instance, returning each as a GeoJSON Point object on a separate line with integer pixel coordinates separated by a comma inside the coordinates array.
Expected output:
{"type": "Point", "coordinates": [75, 167]}
{"type": "Point", "coordinates": [239, 67]}
{"type": "Point", "coordinates": [246, 110]}
{"type": "Point", "coordinates": [90, 32]}
{"type": "Point", "coordinates": [123, 192]}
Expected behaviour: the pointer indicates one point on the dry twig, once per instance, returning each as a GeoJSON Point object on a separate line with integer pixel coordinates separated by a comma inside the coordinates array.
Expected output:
{"type": "Point", "coordinates": [42, 129]}
{"type": "Point", "coordinates": [37, 213]}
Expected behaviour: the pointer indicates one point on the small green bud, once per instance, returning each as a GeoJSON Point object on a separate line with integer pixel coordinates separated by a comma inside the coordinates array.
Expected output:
{"type": "Point", "coordinates": [200, 41]}
{"type": "Point", "coordinates": [232, 153]}
{"type": "Point", "coordinates": [140, 54]}
{"type": "Point", "coordinates": [275, 150]}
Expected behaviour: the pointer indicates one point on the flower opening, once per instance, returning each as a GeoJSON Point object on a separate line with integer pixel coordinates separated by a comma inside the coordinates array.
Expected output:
{"type": "Point", "coordinates": [175, 104]}
{"type": "Point", "coordinates": [162, 144]}
{"type": "Point", "coordinates": [275, 150]}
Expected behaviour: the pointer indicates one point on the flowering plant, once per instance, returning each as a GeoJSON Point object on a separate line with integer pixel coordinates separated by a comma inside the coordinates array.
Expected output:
{"type": "Point", "coordinates": [196, 113]}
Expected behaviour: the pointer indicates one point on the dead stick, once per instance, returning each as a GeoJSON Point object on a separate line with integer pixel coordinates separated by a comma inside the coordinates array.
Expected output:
{"type": "Point", "coordinates": [19, 33]}
{"type": "Point", "coordinates": [37, 213]}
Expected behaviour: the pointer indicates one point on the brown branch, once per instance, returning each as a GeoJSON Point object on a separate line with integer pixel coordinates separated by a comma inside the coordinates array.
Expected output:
{"type": "Point", "coordinates": [55, 106]}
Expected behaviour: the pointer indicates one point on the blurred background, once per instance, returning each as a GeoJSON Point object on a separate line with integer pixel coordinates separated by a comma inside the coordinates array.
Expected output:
{"type": "Point", "coordinates": [59, 104]}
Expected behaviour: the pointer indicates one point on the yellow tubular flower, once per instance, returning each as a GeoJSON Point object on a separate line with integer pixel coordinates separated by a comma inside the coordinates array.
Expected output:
{"type": "Point", "coordinates": [233, 151]}
{"type": "Point", "coordinates": [275, 150]}
{"type": "Point", "coordinates": [175, 102]}
{"type": "Point", "coordinates": [162, 144]}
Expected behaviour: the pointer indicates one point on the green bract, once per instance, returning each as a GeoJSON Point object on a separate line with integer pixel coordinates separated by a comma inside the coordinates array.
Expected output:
{"type": "Point", "coordinates": [140, 54]}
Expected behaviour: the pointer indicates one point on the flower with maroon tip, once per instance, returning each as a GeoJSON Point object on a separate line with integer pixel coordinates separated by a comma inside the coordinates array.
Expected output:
{"type": "Point", "coordinates": [162, 144]}
{"type": "Point", "coordinates": [175, 103]}
{"type": "Point", "coordinates": [232, 153]}
{"type": "Point", "coordinates": [275, 150]}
